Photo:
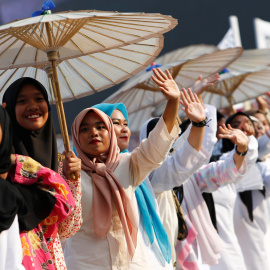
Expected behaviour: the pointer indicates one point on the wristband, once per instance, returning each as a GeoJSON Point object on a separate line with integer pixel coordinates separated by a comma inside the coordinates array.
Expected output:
{"type": "Point", "coordinates": [200, 124]}
{"type": "Point", "coordinates": [239, 153]}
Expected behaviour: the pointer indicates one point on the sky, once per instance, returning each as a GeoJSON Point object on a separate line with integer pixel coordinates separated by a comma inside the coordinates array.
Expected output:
{"type": "Point", "coordinates": [199, 21]}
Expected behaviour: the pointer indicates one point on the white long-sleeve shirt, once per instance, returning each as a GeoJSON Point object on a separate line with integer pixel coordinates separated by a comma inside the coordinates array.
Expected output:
{"type": "Point", "coordinates": [85, 250]}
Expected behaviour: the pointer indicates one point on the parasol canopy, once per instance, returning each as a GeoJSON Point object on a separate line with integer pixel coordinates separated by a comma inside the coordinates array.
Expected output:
{"type": "Point", "coordinates": [249, 61]}
{"type": "Point", "coordinates": [142, 96]}
{"type": "Point", "coordinates": [231, 89]}
{"type": "Point", "coordinates": [72, 34]}
{"type": "Point", "coordinates": [49, 39]}
{"type": "Point", "coordinates": [92, 73]}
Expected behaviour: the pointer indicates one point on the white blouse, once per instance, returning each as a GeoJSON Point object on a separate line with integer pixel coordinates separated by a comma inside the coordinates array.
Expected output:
{"type": "Point", "coordinates": [11, 248]}
{"type": "Point", "coordinates": [85, 250]}
{"type": "Point", "coordinates": [176, 169]}
{"type": "Point", "coordinates": [251, 234]}
{"type": "Point", "coordinates": [225, 199]}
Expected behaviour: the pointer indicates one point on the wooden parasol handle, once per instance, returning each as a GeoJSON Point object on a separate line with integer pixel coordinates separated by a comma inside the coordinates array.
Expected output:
{"type": "Point", "coordinates": [52, 56]}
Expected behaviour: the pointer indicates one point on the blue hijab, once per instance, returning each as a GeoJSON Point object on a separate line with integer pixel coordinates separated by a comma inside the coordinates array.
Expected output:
{"type": "Point", "coordinates": [146, 203]}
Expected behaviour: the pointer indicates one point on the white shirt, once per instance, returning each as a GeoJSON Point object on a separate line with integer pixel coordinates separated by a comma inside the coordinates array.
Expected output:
{"type": "Point", "coordinates": [251, 235]}
{"type": "Point", "coordinates": [11, 248]}
{"type": "Point", "coordinates": [85, 250]}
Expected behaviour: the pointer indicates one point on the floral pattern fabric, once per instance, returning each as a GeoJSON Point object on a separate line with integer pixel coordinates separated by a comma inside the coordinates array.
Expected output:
{"type": "Point", "coordinates": [38, 242]}
{"type": "Point", "coordinates": [71, 224]}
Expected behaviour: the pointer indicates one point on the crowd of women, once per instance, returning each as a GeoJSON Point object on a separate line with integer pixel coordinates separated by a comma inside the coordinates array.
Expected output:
{"type": "Point", "coordinates": [192, 195]}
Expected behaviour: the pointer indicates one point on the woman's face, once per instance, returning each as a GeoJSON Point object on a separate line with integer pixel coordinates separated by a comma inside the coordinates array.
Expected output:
{"type": "Point", "coordinates": [259, 128]}
{"type": "Point", "coordinates": [121, 129]}
{"type": "Point", "coordinates": [31, 108]}
{"type": "Point", "coordinates": [247, 127]}
{"type": "Point", "coordinates": [262, 118]}
{"type": "Point", "coordinates": [94, 136]}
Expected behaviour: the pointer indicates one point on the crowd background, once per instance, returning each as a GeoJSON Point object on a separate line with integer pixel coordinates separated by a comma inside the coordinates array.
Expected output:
{"type": "Point", "coordinates": [198, 22]}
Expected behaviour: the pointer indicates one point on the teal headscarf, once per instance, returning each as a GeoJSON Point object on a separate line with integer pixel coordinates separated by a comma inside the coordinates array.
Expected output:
{"type": "Point", "coordinates": [109, 108]}
{"type": "Point", "coordinates": [146, 203]}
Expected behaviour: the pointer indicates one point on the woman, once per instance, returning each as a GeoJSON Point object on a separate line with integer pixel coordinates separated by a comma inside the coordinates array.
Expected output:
{"type": "Point", "coordinates": [105, 247]}
{"type": "Point", "coordinates": [36, 199]}
{"type": "Point", "coordinates": [225, 198]}
{"type": "Point", "coordinates": [251, 218]}
{"type": "Point", "coordinates": [11, 204]}
{"type": "Point", "coordinates": [27, 104]}
{"type": "Point", "coordinates": [206, 179]}
{"type": "Point", "coordinates": [156, 242]}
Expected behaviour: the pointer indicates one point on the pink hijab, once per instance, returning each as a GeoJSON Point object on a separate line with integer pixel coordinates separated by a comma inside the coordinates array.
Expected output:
{"type": "Point", "coordinates": [105, 184]}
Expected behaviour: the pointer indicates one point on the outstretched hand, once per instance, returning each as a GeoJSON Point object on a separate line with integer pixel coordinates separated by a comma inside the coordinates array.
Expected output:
{"type": "Point", "coordinates": [192, 106]}
{"type": "Point", "coordinates": [201, 84]}
{"type": "Point", "coordinates": [166, 84]}
{"type": "Point", "coordinates": [263, 102]}
{"type": "Point", "coordinates": [237, 136]}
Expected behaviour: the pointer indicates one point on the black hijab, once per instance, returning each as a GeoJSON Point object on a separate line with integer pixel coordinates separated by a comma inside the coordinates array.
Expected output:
{"type": "Point", "coordinates": [40, 144]}
{"type": "Point", "coordinates": [9, 202]}
{"type": "Point", "coordinates": [31, 204]}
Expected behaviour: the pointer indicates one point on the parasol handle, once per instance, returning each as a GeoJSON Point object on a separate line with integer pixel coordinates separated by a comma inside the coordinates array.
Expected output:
{"type": "Point", "coordinates": [52, 56]}
{"type": "Point", "coordinates": [232, 111]}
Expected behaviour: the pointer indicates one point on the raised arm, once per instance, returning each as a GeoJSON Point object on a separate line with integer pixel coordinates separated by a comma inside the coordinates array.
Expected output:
{"type": "Point", "coordinates": [230, 169]}
{"type": "Point", "coordinates": [151, 152]}
{"type": "Point", "coordinates": [239, 139]}
{"type": "Point", "coordinates": [185, 160]}
{"type": "Point", "coordinates": [194, 110]}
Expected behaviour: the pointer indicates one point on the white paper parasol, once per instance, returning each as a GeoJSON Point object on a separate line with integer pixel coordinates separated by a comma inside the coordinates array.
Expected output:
{"type": "Point", "coordinates": [231, 89]}
{"type": "Point", "coordinates": [142, 97]}
{"type": "Point", "coordinates": [52, 38]}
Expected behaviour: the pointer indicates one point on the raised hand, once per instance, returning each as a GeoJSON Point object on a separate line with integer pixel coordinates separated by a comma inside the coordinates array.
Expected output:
{"type": "Point", "coordinates": [237, 136]}
{"type": "Point", "coordinates": [263, 102]}
{"type": "Point", "coordinates": [201, 84]}
{"type": "Point", "coordinates": [166, 84]}
{"type": "Point", "coordinates": [192, 106]}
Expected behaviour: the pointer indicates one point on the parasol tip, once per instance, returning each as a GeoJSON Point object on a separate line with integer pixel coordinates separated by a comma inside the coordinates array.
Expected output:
{"type": "Point", "coordinates": [46, 8]}
{"type": "Point", "coordinates": [153, 65]}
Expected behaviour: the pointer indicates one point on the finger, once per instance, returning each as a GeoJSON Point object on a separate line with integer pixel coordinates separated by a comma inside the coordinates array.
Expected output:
{"type": "Point", "coordinates": [226, 136]}
{"type": "Point", "coordinates": [169, 74]}
{"type": "Point", "coordinates": [164, 91]}
{"type": "Point", "coordinates": [214, 78]}
{"type": "Point", "coordinates": [191, 95]}
{"type": "Point", "coordinates": [183, 99]}
{"type": "Point", "coordinates": [69, 154]}
{"type": "Point", "coordinates": [197, 98]}
{"type": "Point", "coordinates": [4, 105]}
{"type": "Point", "coordinates": [242, 125]}
{"type": "Point", "coordinates": [157, 81]}
{"type": "Point", "coordinates": [162, 74]}
{"type": "Point", "coordinates": [74, 160]}
{"type": "Point", "coordinates": [158, 76]}
{"type": "Point", "coordinates": [230, 127]}
{"type": "Point", "coordinates": [224, 127]}
{"type": "Point", "coordinates": [186, 95]}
